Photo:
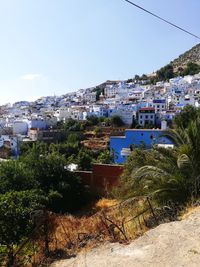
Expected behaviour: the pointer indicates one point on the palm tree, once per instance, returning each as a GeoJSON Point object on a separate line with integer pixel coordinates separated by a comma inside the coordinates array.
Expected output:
{"type": "Point", "coordinates": [173, 174]}
{"type": "Point", "coordinates": [188, 143]}
{"type": "Point", "coordinates": [164, 180]}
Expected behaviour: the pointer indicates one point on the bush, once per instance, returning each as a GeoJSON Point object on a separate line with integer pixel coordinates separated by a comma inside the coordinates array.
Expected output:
{"type": "Point", "coordinates": [117, 121]}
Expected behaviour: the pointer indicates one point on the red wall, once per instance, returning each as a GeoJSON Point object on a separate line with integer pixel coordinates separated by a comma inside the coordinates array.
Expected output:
{"type": "Point", "coordinates": [102, 177]}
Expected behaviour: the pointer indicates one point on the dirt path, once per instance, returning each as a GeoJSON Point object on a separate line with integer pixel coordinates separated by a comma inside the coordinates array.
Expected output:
{"type": "Point", "coordinates": [175, 244]}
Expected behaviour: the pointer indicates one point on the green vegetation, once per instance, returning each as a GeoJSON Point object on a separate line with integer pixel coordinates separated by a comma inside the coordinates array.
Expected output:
{"type": "Point", "coordinates": [144, 79]}
{"type": "Point", "coordinates": [188, 114]}
{"type": "Point", "coordinates": [39, 179]}
{"type": "Point", "coordinates": [191, 69]}
{"type": "Point", "coordinates": [105, 157]}
{"type": "Point", "coordinates": [99, 91]}
{"type": "Point", "coordinates": [92, 120]}
{"type": "Point", "coordinates": [167, 174]}
{"type": "Point", "coordinates": [15, 220]}
{"type": "Point", "coordinates": [165, 73]}
{"type": "Point", "coordinates": [116, 121]}
{"type": "Point", "coordinates": [168, 72]}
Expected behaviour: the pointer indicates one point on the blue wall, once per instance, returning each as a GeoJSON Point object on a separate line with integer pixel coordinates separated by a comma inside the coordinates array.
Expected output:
{"type": "Point", "coordinates": [137, 138]}
{"type": "Point", "coordinates": [37, 123]}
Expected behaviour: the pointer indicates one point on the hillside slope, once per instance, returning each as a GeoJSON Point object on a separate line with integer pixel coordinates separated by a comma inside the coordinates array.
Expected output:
{"type": "Point", "coordinates": [192, 55]}
{"type": "Point", "coordinates": [168, 245]}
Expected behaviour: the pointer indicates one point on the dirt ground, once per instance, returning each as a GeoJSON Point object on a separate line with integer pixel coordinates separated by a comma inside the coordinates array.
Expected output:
{"type": "Point", "coordinates": [175, 244]}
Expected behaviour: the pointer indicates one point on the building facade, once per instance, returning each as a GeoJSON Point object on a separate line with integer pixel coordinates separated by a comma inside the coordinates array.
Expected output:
{"type": "Point", "coordinates": [122, 146]}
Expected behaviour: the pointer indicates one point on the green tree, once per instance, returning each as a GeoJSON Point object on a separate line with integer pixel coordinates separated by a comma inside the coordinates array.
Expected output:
{"type": "Point", "coordinates": [188, 114]}
{"type": "Point", "coordinates": [191, 69]}
{"type": "Point", "coordinates": [105, 157]}
{"type": "Point", "coordinates": [85, 159]}
{"type": "Point", "coordinates": [15, 176]}
{"type": "Point", "coordinates": [15, 219]}
{"type": "Point", "coordinates": [92, 120]}
{"type": "Point", "coordinates": [97, 130]}
{"type": "Point", "coordinates": [156, 173]}
{"type": "Point", "coordinates": [63, 188]}
{"type": "Point", "coordinates": [99, 91]}
{"type": "Point", "coordinates": [168, 174]}
{"type": "Point", "coordinates": [117, 121]}
{"type": "Point", "coordinates": [165, 73]}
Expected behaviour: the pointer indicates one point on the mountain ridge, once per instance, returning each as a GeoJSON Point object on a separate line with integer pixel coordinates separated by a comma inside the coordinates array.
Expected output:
{"type": "Point", "coordinates": [191, 55]}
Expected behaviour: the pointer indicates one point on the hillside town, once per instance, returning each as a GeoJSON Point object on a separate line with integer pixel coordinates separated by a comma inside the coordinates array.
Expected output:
{"type": "Point", "coordinates": [139, 105]}
{"type": "Point", "coordinates": [99, 133]}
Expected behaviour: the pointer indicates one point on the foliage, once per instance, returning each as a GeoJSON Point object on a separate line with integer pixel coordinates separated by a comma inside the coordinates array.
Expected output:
{"type": "Point", "coordinates": [106, 120]}
{"type": "Point", "coordinates": [191, 69]}
{"type": "Point", "coordinates": [156, 173]}
{"type": "Point", "coordinates": [16, 176]}
{"type": "Point", "coordinates": [105, 157]}
{"type": "Point", "coordinates": [165, 73]}
{"type": "Point", "coordinates": [15, 217]}
{"type": "Point", "coordinates": [71, 125]}
{"type": "Point", "coordinates": [97, 130]}
{"type": "Point", "coordinates": [168, 72]}
{"type": "Point", "coordinates": [134, 123]}
{"type": "Point", "coordinates": [188, 114]}
{"type": "Point", "coordinates": [84, 159]}
{"type": "Point", "coordinates": [92, 120]}
{"type": "Point", "coordinates": [117, 121]}
{"type": "Point", "coordinates": [99, 91]}
{"type": "Point", "coordinates": [144, 79]}
{"type": "Point", "coordinates": [149, 126]}
{"type": "Point", "coordinates": [168, 174]}
{"type": "Point", "coordinates": [63, 189]}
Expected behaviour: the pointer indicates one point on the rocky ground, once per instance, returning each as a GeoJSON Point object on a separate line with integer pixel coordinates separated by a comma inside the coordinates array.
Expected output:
{"type": "Point", "coordinates": [168, 245]}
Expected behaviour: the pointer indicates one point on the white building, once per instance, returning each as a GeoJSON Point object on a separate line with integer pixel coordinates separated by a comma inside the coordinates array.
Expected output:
{"type": "Point", "coordinates": [146, 116]}
{"type": "Point", "coordinates": [20, 127]}
{"type": "Point", "coordinates": [159, 105]}
{"type": "Point", "coordinates": [110, 91]}
{"type": "Point", "coordinates": [90, 97]}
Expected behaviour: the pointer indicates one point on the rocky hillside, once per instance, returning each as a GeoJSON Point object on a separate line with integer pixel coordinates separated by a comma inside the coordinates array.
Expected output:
{"type": "Point", "coordinates": [192, 55]}
{"type": "Point", "coordinates": [171, 244]}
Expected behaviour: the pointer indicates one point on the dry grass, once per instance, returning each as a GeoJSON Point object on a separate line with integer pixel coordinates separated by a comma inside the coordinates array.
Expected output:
{"type": "Point", "coordinates": [106, 203]}
{"type": "Point", "coordinates": [113, 222]}
{"type": "Point", "coordinates": [188, 211]}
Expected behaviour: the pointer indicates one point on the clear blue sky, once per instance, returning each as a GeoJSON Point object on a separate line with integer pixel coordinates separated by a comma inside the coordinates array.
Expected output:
{"type": "Point", "coordinates": [56, 46]}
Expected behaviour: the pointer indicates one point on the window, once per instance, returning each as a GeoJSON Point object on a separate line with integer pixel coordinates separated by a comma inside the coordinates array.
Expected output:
{"type": "Point", "coordinates": [140, 122]}
{"type": "Point", "coordinates": [140, 116]}
{"type": "Point", "coordinates": [151, 116]}
{"type": "Point", "coordinates": [146, 116]}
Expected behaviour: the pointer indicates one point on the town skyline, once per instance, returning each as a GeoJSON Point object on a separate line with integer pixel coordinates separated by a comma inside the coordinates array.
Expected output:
{"type": "Point", "coordinates": [55, 47]}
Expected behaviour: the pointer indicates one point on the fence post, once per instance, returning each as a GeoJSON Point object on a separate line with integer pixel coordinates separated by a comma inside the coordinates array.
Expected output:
{"type": "Point", "coordinates": [152, 211]}
{"type": "Point", "coordinates": [46, 233]}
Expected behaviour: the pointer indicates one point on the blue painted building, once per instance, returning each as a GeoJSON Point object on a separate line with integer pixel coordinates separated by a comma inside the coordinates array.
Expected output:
{"type": "Point", "coordinates": [37, 123]}
{"type": "Point", "coordinates": [121, 146]}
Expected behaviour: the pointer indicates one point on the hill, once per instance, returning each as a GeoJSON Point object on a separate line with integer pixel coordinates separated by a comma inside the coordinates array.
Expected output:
{"type": "Point", "coordinates": [186, 64]}
{"type": "Point", "coordinates": [192, 55]}
{"type": "Point", "coordinates": [170, 244]}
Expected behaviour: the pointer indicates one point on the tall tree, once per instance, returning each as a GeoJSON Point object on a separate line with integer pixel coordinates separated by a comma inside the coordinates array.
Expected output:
{"type": "Point", "coordinates": [15, 218]}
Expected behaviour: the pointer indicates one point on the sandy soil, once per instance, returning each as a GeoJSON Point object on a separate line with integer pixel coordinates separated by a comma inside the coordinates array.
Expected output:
{"type": "Point", "coordinates": [175, 244]}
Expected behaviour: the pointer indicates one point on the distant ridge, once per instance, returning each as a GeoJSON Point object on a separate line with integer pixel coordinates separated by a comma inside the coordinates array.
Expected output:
{"type": "Point", "coordinates": [192, 55]}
